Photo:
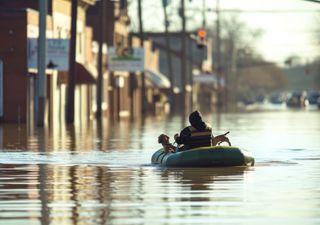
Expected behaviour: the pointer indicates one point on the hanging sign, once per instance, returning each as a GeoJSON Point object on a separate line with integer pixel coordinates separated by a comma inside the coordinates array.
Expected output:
{"type": "Point", "coordinates": [126, 59]}
{"type": "Point", "coordinates": [57, 56]}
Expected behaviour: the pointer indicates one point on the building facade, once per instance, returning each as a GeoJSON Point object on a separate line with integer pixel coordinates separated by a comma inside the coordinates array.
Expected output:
{"type": "Point", "coordinates": [18, 25]}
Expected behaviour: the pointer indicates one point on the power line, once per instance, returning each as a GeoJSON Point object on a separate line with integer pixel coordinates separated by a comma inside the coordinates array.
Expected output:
{"type": "Point", "coordinates": [314, 1]}
{"type": "Point", "coordinates": [251, 10]}
{"type": "Point", "coordinates": [265, 10]}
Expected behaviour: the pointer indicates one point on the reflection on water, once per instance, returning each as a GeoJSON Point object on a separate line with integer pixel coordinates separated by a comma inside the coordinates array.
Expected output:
{"type": "Point", "coordinates": [86, 195]}
{"type": "Point", "coordinates": [102, 174]}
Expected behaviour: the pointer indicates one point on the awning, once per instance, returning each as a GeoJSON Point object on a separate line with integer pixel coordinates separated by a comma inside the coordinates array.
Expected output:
{"type": "Point", "coordinates": [33, 73]}
{"type": "Point", "coordinates": [157, 79]}
{"type": "Point", "coordinates": [83, 76]}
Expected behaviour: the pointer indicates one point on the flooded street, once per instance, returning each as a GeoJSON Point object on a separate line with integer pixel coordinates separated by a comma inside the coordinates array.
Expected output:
{"type": "Point", "coordinates": [77, 76]}
{"type": "Point", "coordinates": [92, 174]}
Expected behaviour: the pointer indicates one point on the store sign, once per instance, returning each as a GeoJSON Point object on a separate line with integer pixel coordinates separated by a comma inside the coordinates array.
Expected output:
{"type": "Point", "coordinates": [205, 78]}
{"type": "Point", "coordinates": [126, 59]}
{"type": "Point", "coordinates": [57, 56]}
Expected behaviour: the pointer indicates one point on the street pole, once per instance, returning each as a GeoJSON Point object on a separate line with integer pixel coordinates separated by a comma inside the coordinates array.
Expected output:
{"type": "Point", "coordinates": [233, 73]}
{"type": "Point", "coordinates": [143, 84]}
{"type": "Point", "coordinates": [100, 59]}
{"type": "Point", "coordinates": [183, 56]}
{"type": "Point", "coordinates": [72, 61]}
{"type": "Point", "coordinates": [190, 78]}
{"type": "Point", "coordinates": [218, 55]}
{"type": "Point", "coordinates": [204, 21]}
{"type": "Point", "coordinates": [168, 48]}
{"type": "Point", "coordinates": [41, 78]}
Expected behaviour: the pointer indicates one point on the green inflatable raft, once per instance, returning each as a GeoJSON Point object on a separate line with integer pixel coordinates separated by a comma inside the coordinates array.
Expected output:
{"type": "Point", "coordinates": [211, 156]}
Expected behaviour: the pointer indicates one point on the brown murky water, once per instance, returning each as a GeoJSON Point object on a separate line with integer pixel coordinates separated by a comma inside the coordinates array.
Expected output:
{"type": "Point", "coordinates": [89, 174]}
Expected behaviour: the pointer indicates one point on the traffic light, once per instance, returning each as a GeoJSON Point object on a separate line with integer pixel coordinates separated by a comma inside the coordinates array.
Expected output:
{"type": "Point", "coordinates": [201, 38]}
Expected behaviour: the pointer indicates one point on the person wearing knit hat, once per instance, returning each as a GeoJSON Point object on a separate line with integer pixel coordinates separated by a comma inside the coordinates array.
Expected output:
{"type": "Point", "coordinates": [197, 135]}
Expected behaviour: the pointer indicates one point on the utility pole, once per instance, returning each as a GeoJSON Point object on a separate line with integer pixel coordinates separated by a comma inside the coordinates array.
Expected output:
{"type": "Point", "coordinates": [143, 84]}
{"type": "Point", "coordinates": [233, 72]}
{"type": "Point", "coordinates": [204, 21]}
{"type": "Point", "coordinates": [183, 55]}
{"type": "Point", "coordinates": [168, 48]}
{"type": "Point", "coordinates": [72, 62]}
{"type": "Point", "coordinates": [100, 59]}
{"type": "Point", "coordinates": [218, 55]}
{"type": "Point", "coordinates": [41, 78]}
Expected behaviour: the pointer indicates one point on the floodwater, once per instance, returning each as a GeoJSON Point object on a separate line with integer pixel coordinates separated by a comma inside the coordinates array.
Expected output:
{"type": "Point", "coordinates": [90, 174]}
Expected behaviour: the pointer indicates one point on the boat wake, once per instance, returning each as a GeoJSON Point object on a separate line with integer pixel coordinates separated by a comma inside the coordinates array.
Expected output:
{"type": "Point", "coordinates": [94, 158]}
{"type": "Point", "coordinates": [275, 163]}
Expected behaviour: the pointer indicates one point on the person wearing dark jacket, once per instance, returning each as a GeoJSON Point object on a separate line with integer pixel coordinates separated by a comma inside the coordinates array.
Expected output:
{"type": "Point", "coordinates": [199, 134]}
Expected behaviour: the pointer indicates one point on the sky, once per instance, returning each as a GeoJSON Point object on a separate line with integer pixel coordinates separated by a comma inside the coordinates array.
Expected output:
{"type": "Point", "coordinates": [288, 26]}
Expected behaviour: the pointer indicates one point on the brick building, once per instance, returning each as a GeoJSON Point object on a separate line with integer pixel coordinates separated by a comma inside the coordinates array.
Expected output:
{"type": "Point", "coordinates": [18, 23]}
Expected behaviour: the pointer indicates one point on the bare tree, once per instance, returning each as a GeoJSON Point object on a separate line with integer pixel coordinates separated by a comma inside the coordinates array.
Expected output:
{"type": "Point", "coordinates": [316, 63]}
{"type": "Point", "coordinates": [247, 74]}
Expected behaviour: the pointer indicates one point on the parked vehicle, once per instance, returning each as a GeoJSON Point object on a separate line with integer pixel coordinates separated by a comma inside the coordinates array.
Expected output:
{"type": "Point", "coordinates": [313, 97]}
{"type": "Point", "coordinates": [277, 98]}
{"type": "Point", "coordinates": [297, 99]}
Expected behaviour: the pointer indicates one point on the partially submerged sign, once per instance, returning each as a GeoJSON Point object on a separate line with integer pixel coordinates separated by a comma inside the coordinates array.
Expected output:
{"type": "Point", "coordinates": [126, 59]}
{"type": "Point", "coordinates": [57, 56]}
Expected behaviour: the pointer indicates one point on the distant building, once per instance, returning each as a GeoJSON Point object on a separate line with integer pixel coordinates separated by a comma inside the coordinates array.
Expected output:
{"type": "Point", "coordinates": [158, 86]}
{"type": "Point", "coordinates": [195, 58]}
{"type": "Point", "coordinates": [301, 78]}
{"type": "Point", "coordinates": [121, 96]}
{"type": "Point", "coordinates": [18, 23]}
{"type": "Point", "coordinates": [122, 90]}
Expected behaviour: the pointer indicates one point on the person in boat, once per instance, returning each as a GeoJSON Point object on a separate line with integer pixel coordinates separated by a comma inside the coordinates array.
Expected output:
{"type": "Point", "coordinates": [199, 134]}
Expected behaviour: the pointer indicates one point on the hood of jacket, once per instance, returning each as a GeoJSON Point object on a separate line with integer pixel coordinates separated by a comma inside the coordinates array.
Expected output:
{"type": "Point", "coordinates": [195, 120]}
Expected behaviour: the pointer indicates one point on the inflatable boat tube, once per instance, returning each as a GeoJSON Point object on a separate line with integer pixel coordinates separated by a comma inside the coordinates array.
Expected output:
{"type": "Point", "coordinates": [212, 156]}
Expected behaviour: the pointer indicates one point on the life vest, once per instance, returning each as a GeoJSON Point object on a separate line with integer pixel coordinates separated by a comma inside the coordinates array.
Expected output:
{"type": "Point", "coordinates": [199, 138]}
